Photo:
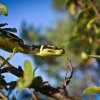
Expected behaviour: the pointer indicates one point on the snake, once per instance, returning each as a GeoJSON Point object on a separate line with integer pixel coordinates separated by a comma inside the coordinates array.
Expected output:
{"type": "Point", "coordinates": [9, 41]}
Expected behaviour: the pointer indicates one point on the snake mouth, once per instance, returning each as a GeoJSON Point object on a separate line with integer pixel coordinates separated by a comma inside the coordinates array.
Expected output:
{"type": "Point", "coordinates": [60, 52]}
{"type": "Point", "coordinates": [50, 51]}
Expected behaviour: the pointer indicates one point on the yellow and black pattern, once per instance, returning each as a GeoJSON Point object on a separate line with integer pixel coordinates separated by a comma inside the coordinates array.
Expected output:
{"type": "Point", "coordinates": [9, 41]}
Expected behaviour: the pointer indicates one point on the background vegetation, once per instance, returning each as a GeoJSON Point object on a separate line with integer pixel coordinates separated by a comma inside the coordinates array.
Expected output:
{"type": "Point", "coordinates": [79, 35]}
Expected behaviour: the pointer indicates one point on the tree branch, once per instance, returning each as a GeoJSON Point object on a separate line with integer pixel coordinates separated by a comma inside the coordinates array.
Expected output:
{"type": "Point", "coordinates": [57, 93]}
{"type": "Point", "coordinates": [3, 97]}
{"type": "Point", "coordinates": [94, 8]}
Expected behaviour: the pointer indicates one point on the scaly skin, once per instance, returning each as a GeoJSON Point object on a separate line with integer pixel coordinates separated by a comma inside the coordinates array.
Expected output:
{"type": "Point", "coordinates": [9, 41]}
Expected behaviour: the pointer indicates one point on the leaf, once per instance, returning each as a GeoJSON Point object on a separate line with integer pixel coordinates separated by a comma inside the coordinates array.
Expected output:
{"type": "Point", "coordinates": [92, 90]}
{"type": "Point", "coordinates": [37, 82]}
{"type": "Point", "coordinates": [27, 79]}
{"type": "Point", "coordinates": [3, 10]}
{"type": "Point", "coordinates": [90, 24]}
{"type": "Point", "coordinates": [84, 55]}
{"type": "Point", "coordinates": [2, 83]}
{"type": "Point", "coordinates": [28, 73]}
{"type": "Point", "coordinates": [83, 14]}
{"type": "Point", "coordinates": [10, 29]}
{"type": "Point", "coordinates": [20, 84]}
{"type": "Point", "coordinates": [3, 24]}
{"type": "Point", "coordinates": [72, 9]}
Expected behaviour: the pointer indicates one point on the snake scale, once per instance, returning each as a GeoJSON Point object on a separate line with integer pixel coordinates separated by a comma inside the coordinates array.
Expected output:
{"type": "Point", "coordinates": [8, 41]}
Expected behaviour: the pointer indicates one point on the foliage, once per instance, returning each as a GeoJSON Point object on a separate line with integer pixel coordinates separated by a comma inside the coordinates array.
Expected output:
{"type": "Point", "coordinates": [91, 90]}
{"type": "Point", "coordinates": [79, 35]}
{"type": "Point", "coordinates": [3, 10]}
{"type": "Point", "coordinates": [2, 82]}
{"type": "Point", "coordinates": [27, 78]}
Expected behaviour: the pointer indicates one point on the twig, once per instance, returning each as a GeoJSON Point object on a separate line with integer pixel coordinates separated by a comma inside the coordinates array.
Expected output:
{"type": "Point", "coordinates": [33, 95]}
{"type": "Point", "coordinates": [94, 8]}
{"type": "Point", "coordinates": [2, 60]}
{"type": "Point", "coordinates": [68, 78]}
{"type": "Point", "coordinates": [80, 3]}
{"type": "Point", "coordinates": [10, 68]}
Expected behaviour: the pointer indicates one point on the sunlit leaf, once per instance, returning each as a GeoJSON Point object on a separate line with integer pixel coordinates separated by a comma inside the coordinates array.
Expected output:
{"type": "Point", "coordinates": [20, 84]}
{"type": "Point", "coordinates": [28, 73]}
{"type": "Point", "coordinates": [90, 24]}
{"type": "Point", "coordinates": [92, 90]}
{"type": "Point", "coordinates": [28, 76]}
{"type": "Point", "coordinates": [72, 9]}
{"type": "Point", "coordinates": [84, 55]}
{"type": "Point", "coordinates": [3, 10]}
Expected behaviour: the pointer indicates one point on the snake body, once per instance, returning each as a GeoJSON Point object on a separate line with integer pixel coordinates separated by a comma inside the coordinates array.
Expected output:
{"type": "Point", "coordinates": [8, 41]}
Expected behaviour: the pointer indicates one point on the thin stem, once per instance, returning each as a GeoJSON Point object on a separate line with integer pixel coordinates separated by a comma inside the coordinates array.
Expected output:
{"type": "Point", "coordinates": [3, 97]}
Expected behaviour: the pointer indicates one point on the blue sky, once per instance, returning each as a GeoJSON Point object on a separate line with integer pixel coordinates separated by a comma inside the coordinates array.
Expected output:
{"type": "Point", "coordinates": [36, 12]}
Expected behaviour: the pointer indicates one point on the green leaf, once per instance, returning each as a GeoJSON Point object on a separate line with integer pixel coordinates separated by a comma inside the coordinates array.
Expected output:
{"type": "Point", "coordinates": [3, 10]}
{"type": "Point", "coordinates": [2, 83]}
{"type": "Point", "coordinates": [72, 9]}
{"type": "Point", "coordinates": [15, 50]}
{"type": "Point", "coordinates": [28, 73]}
{"type": "Point", "coordinates": [3, 24]}
{"type": "Point", "coordinates": [20, 84]}
{"type": "Point", "coordinates": [92, 90]}
{"type": "Point", "coordinates": [10, 29]}
{"type": "Point", "coordinates": [90, 24]}
{"type": "Point", "coordinates": [84, 55]}
{"type": "Point", "coordinates": [27, 79]}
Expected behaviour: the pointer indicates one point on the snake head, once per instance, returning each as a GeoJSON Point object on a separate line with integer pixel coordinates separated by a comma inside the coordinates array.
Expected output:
{"type": "Point", "coordinates": [49, 50]}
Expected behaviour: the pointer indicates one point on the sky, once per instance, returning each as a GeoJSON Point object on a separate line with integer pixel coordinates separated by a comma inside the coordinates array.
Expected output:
{"type": "Point", "coordinates": [36, 12]}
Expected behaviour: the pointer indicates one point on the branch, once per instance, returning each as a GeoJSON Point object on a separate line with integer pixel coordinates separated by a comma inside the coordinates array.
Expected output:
{"type": "Point", "coordinates": [3, 97]}
{"type": "Point", "coordinates": [81, 4]}
{"type": "Point", "coordinates": [57, 93]}
{"type": "Point", "coordinates": [10, 68]}
{"type": "Point", "coordinates": [94, 8]}
{"type": "Point", "coordinates": [2, 60]}
{"type": "Point", "coordinates": [68, 78]}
